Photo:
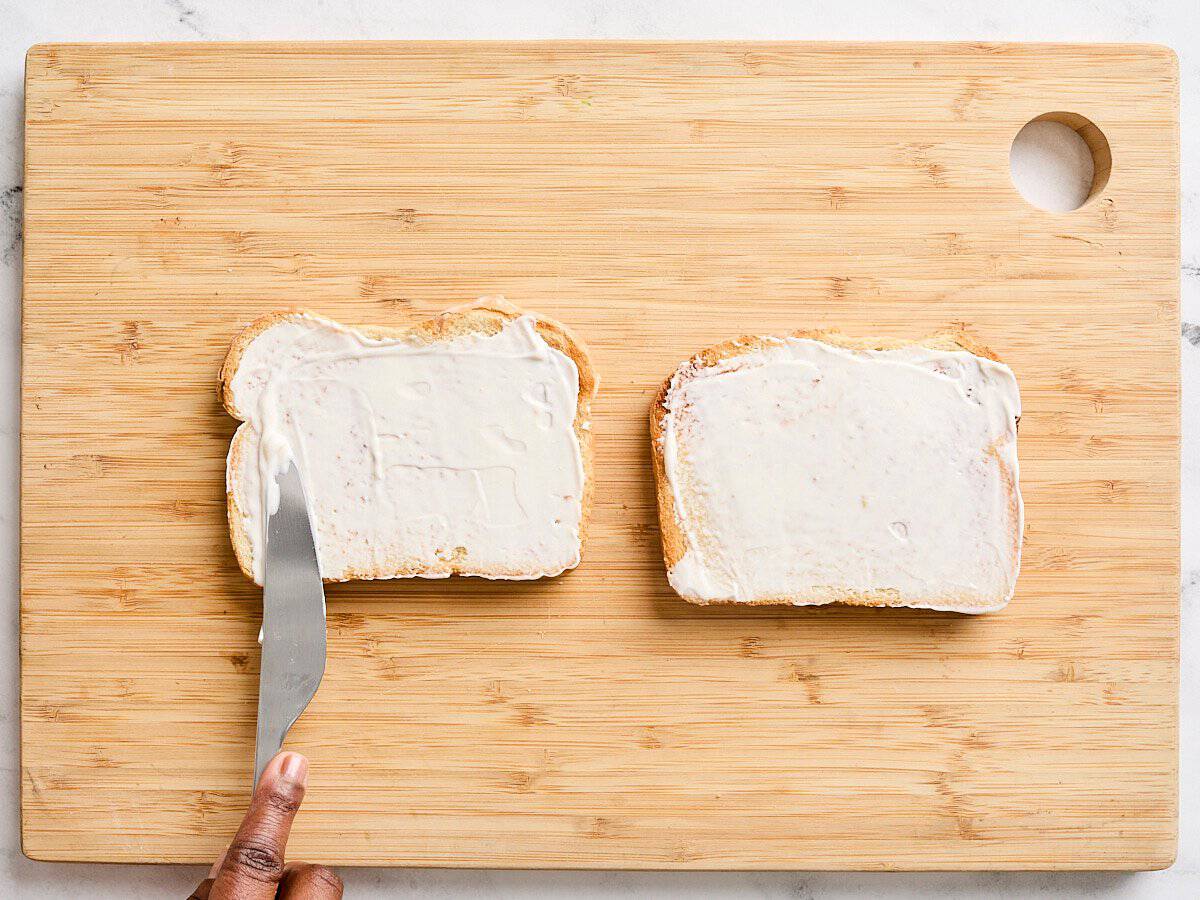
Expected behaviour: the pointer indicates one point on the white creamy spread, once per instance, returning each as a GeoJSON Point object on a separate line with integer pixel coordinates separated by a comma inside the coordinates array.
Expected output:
{"type": "Point", "coordinates": [414, 455]}
{"type": "Point", "coordinates": [804, 472]}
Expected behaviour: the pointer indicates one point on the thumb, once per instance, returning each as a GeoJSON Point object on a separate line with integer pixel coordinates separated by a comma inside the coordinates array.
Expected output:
{"type": "Point", "coordinates": [253, 864]}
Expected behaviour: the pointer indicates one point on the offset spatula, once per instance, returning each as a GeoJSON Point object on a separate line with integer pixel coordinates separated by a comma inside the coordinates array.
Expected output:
{"type": "Point", "coordinates": [293, 631]}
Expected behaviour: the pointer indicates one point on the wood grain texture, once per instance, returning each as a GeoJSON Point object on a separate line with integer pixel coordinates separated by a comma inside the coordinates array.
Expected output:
{"type": "Point", "coordinates": [657, 198]}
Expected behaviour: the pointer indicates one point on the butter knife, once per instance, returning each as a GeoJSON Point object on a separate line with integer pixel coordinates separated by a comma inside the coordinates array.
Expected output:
{"type": "Point", "coordinates": [293, 629]}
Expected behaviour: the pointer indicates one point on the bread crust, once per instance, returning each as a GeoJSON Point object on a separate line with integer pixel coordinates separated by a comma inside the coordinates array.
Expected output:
{"type": "Point", "coordinates": [486, 316]}
{"type": "Point", "coordinates": [674, 542]}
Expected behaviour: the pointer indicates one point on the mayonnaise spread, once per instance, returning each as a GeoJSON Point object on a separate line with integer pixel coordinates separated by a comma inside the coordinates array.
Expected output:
{"type": "Point", "coordinates": [417, 457]}
{"type": "Point", "coordinates": [806, 473]}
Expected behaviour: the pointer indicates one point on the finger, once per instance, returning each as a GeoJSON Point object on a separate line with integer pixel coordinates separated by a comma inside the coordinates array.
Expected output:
{"type": "Point", "coordinates": [308, 882]}
{"type": "Point", "coordinates": [253, 864]}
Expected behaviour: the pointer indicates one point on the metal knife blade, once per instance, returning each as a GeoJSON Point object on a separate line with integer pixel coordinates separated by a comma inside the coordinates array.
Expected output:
{"type": "Point", "coordinates": [293, 632]}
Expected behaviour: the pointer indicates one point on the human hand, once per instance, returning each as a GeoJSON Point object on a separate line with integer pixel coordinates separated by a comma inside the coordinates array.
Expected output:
{"type": "Point", "coordinates": [252, 868]}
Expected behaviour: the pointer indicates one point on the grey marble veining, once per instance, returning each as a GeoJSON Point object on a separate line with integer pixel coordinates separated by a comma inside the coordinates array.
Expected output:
{"type": "Point", "coordinates": [1174, 22]}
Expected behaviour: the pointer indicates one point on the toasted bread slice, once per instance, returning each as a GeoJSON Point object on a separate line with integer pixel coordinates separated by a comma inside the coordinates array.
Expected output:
{"type": "Point", "coordinates": [458, 445]}
{"type": "Point", "coordinates": [816, 469]}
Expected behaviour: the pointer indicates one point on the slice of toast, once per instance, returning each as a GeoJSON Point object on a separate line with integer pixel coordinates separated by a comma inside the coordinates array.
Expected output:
{"type": "Point", "coordinates": [458, 445]}
{"type": "Point", "coordinates": [816, 469]}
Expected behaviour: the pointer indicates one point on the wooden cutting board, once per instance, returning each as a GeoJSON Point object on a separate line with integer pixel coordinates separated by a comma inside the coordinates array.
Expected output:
{"type": "Point", "coordinates": [658, 198]}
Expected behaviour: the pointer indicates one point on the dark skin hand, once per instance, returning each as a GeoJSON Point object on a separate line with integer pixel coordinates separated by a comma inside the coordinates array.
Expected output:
{"type": "Point", "coordinates": [253, 868]}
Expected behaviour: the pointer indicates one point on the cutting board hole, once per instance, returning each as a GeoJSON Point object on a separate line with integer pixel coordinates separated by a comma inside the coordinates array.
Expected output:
{"type": "Point", "coordinates": [1059, 161]}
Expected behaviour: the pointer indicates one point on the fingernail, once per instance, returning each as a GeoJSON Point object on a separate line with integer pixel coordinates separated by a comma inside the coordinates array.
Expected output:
{"type": "Point", "coordinates": [216, 867]}
{"type": "Point", "coordinates": [293, 767]}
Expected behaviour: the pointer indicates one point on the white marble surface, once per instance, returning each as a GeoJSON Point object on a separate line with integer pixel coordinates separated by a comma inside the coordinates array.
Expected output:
{"type": "Point", "coordinates": [25, 22]}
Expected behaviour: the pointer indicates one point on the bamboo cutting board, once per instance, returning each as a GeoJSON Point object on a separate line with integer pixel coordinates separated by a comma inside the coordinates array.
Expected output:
{"type": "Point", "coordinates": [658, 198]}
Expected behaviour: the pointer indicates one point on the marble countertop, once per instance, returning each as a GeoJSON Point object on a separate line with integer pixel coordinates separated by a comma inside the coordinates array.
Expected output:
{"type": "Point", "coordinates": [25, 22]}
